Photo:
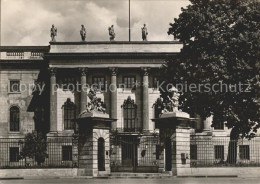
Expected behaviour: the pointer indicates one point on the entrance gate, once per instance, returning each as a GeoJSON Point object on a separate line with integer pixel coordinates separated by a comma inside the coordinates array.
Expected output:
{"type": "Point", "coordinates": [129, 154]}
{"type": "Point", "coordinates": [132, 153]}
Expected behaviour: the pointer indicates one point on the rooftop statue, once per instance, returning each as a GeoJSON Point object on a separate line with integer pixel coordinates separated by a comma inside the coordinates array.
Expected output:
{"type": "Point", "coordinates": [83, 33]}
{"type": "Point", "coordinates": [144, 33]}
{"type": "Point", "coordinates": [94, 105]}
{"type": "Point", "coordinates": [53, 33]}
{"type": "Point", "coordinates": [111, 33]}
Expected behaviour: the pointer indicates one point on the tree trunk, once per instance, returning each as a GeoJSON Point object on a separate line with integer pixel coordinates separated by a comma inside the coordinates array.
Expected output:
{"type": "Point", "coordinates": [232, 147]}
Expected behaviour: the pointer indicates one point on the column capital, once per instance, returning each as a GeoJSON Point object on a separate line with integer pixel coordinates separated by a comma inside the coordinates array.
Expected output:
{"type": "Point", "coordinates": [83, 70]}
{"type": "Point", "coordinates": [145, 71]}
{"type": "Point", "coordinates": [113, 71]}
{"type": "Point", "coordinates": [53, 71]}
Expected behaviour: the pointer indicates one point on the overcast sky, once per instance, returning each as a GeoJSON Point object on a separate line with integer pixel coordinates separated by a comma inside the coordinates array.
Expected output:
{"type": "Point", "coordinates": [28, 22]}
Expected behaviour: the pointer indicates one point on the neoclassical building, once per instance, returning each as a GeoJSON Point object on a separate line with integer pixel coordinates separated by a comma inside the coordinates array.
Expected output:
{"type": "Point", "coordinates": [45, 88]}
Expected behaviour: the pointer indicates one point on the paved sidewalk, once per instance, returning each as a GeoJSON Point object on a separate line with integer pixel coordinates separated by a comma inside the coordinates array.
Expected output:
{"type": "Point", "coordinates": [172, 180]}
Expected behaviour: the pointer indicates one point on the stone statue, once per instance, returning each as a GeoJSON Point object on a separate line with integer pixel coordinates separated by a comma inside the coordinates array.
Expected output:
{"type": "Point", "coordinates": [95, 104]}
{"type": "Point", "coordinates": [83, 33]}
{"type": "Point", "coordinates": [144, 33]}
{"type": "Point", "coordinates": [174, 99]}
{"type": "Point", "coordinates": [111, 32]}
{"type": "Point", "coordinates": [53, 33]}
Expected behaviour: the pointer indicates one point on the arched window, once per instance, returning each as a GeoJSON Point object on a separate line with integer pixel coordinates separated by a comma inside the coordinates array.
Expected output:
{"type": "Point", "coordinates": [130, 123]}
{"type": "Point", "coordinates": [69, 114]}
{"type": "Point", "coordinates": [14, 118]}
{"type": "Point", "coordinates": [101, 154]}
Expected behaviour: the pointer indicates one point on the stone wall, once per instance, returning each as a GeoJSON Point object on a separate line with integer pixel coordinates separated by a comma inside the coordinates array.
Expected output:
{"type": "Point", "coordinates": [20, 99]}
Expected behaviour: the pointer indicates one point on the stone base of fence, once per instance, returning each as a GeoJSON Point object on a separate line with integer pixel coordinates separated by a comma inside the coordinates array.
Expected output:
{"type": "Point", "coordinates": [14, 173]}
{"type": "Point", "coordinates": [245, 172]}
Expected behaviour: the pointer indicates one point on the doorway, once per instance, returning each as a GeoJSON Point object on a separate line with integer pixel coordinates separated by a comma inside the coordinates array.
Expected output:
{"type": "Point", "coordinates": [168, 155]}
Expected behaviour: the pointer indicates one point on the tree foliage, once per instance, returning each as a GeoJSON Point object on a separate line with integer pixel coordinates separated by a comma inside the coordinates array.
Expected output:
{"type": "Point", "coordinates": [35, 146]}
{"type": "Point", "coordinates": [221, 45]}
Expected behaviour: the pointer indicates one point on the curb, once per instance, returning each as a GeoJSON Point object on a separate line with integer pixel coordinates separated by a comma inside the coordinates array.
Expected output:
{"type": "Point", "coordinates": [12, 178]}
{"type": "Point", "coordinates": [209, 176]}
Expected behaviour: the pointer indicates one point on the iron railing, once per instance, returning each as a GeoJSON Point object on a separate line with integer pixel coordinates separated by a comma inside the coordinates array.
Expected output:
{"type": "Point", "coordinates": [62, 152]}
{"type": "Point", "coordinates": [223, 152]}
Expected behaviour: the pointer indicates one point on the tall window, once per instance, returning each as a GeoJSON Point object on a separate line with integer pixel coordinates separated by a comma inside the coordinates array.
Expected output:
{"type": "Point", "coordinates": [14, 154]}
{"type": "Point", "coordinates": [14, 86]}
{"type": "Point", "coordinates": [219, 126]}
{"type": "Point", "coordinates": [129, 82]}
{"type": "Point", "coordinates": [66, 153]}
{"type": "Point", "coordinates": [129, 115]}
{"type": "Point", "coordinates": [69, 110]}
{"type": "Point", "coordinates": [68, 83]}
{"type": "Point", "coordinates": [244, 152]}
{"type": "Point", "coordinates": [155, 82]}
{"type": "Point", "coordinates": [158, 107]}
{"type": "Point", "coordinates": [98, 83]}
{"type": "Point", "coordinates": [219, 152]}
{"type": "Point", "coordinates": [14, 118]}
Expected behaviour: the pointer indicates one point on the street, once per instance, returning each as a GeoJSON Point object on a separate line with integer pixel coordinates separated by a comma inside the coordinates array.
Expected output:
{"type": "Point", "coordinates": [216, 180]}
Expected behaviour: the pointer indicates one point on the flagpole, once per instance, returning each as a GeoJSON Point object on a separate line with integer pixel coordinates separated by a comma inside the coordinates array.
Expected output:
{"type": "Point", "coordinates": [129, 23]}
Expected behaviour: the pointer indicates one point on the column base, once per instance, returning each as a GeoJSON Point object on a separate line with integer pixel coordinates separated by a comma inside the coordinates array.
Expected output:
{"type": "Point", "coordinates": [206, 132]}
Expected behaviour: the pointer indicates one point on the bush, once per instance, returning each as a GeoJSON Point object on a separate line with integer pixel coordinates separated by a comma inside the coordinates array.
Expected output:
{"type": "Point", "coordinates": [35, 147]}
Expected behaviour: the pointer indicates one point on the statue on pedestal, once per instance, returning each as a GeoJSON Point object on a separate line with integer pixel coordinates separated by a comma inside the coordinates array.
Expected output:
{"type": "Point", "coordinates": [53, 33]}
{"type": "Point", "coordinates": [95, 104]}
{"type": "Point", "coordinates": [83, 33]}
{"type": "Point", "coordinates": [170, 103]}
{"type": "Point", "coordinates": [144, 33]}
{"type": "Point", "coordinates": [174, 99]}
{"type": "Point", "coordinates": [111, 33]}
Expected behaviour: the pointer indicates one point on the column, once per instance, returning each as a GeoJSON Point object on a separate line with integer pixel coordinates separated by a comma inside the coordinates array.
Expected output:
{"type": "Point", "coordinates": [83, 93]}
{"type": "Point", "coordinates": [207, 124]}
{"type": "Point", "coordinates": [53, 100]}
{"type": "Point", "coordinates": [113, 96]}
{"type": "Point", "coordinates": [145, 98]}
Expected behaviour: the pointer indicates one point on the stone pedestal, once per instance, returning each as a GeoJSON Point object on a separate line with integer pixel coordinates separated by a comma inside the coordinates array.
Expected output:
{"type": "Point", "coordinates": [180, 149]}
{"type": "Point", "coordinates": [175, 139]}
{"type": "Point", "coordinates": [94, 144]}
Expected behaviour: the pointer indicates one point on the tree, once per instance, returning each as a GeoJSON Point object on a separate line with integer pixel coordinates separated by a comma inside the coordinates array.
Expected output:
{"type": "Point", "coordinates": [221, 52]}
{"type": "Point", "coordinates": [35, 146]}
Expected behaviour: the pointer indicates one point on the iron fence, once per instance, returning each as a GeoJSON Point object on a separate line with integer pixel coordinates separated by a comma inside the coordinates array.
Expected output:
{"type": "Point", "coordinates": [62, 152]}
{"type": "Point", "coordinates": [223, 152]}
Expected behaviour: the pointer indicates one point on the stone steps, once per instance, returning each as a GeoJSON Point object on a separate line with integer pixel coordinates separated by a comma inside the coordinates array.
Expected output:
{"type": "Point", "coordinates": [135, 175]}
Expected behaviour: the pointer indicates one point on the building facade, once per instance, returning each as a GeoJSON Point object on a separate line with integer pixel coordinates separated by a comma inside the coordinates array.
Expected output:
{"type": "Point", "coordinates": [42, 89]}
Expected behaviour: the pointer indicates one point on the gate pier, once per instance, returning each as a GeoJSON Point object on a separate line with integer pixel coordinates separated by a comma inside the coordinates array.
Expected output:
{"type": "Point", "coordinates": [175, 140]}
{"type": "Point", "coordinates": [94, 144]}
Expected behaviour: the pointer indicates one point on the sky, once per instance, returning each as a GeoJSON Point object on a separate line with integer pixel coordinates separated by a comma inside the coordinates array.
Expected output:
{"type": "Point", "coordinates": [28, 22]}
